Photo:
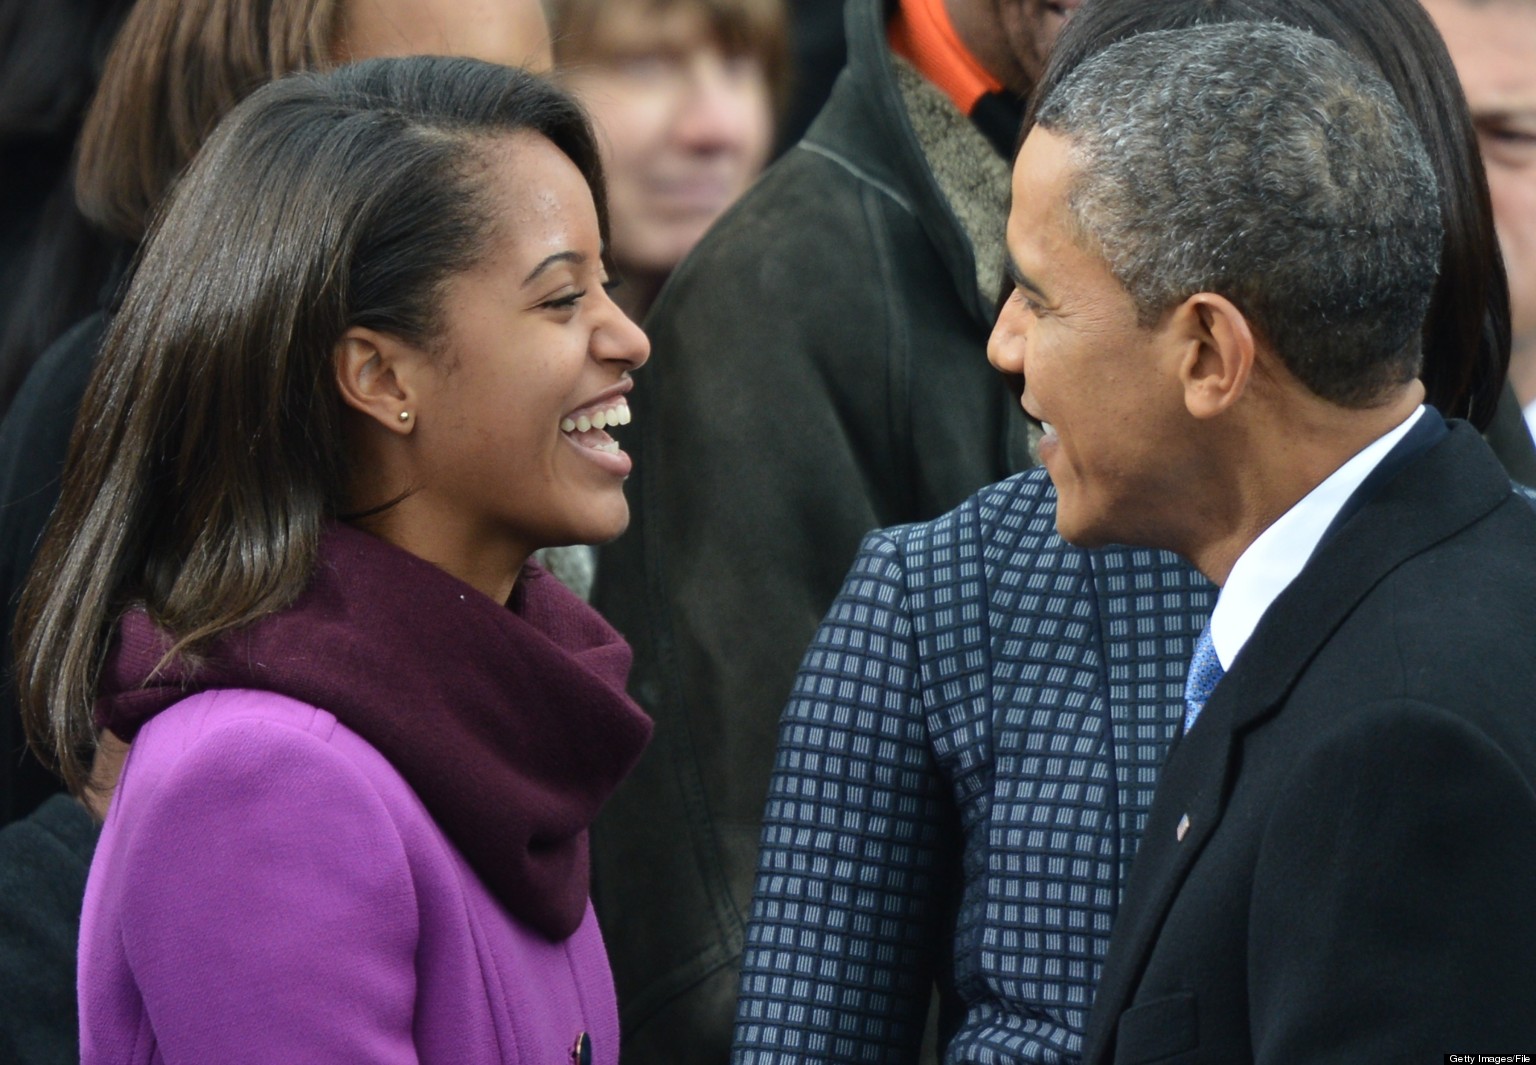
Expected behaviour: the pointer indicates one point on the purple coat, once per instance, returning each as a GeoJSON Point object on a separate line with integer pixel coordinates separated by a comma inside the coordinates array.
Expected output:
{"type": "Point", "coordinates": [269, 889]}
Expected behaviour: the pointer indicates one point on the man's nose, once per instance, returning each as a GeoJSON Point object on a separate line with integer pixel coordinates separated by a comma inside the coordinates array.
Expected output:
{"type": "Point", "coordinates": [1005, 347]}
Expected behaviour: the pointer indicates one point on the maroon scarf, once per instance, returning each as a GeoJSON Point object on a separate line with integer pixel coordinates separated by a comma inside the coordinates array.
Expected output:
{"type": "Point", "coordinates": [510, 723]}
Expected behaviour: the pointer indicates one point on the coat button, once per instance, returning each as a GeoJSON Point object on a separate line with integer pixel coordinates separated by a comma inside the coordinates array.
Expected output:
{"type": "Point", "coordinates": [1183, 829]}
{"type": "Point", "coordinates": [581, 1050]}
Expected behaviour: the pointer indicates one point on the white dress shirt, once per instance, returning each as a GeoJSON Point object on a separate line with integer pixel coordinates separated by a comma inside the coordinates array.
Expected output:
{"type": "Point", "coordinates": [1272, 561]}
{"type": "Point", "coordinates": [1530, 417]}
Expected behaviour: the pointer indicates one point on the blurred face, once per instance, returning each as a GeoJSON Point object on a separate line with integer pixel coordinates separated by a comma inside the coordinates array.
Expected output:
{"type": "Point", "coordinates": [511, 32]}
{"type": "Point", "coordinates": [1011, 38]}
{"type": "Point", "coordinates": [1105, 388]}
{"type": "Point", "coordinates": [511, 434]}
{"type": "Point", "coordinates": [685, 127]}
{"type": "Point", "coordinates": [1494, 49]}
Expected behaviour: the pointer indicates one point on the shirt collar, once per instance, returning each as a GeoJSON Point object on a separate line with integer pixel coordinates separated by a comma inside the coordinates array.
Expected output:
{"type": "Point", "coordinates": [1269, 564]}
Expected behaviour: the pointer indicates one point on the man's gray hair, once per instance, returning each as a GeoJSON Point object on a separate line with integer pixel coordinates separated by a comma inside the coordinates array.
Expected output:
{"type": "Point", "coordinates": [1265, 164]}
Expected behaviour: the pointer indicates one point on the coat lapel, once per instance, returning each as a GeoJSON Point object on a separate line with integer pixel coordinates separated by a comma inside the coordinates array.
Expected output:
{"type": "Point", "coordinates": [1406, 516]}
{"type": "Point", "coordinates": [1177, 830]}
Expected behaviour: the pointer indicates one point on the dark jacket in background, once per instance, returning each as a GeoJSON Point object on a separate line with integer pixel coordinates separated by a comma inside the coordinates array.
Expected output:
{"type": "Point", "coordinates": [820, 50]}
{"type": "Point", "coordinates": [53, 261]}
{"type": "Point", "coordinates": [1510, 437]}
{"type": "Point", "coordinates": [819, 371]}
{"type": "Point", "coordinates": [34, 438]}
{"type": "Point", "coordinates": [44, 860]}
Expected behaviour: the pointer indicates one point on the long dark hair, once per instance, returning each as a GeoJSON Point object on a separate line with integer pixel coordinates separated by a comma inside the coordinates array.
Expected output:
{"type": "Point", "coordinates": [210, 449]}
{"type": "Point", "coordinates": [1466, 333]}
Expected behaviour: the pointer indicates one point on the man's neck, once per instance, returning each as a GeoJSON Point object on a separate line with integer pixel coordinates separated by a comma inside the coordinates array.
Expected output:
{"type": "Point", "coordinates": [1275, 461]}
{"type": "Point", "coordinates": [1268, 566]}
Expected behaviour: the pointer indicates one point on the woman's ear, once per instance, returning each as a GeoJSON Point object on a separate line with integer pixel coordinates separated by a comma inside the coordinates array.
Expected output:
{"type": "Point", "coordinates": [1218, 353]}
{"type": "Point", "coordinates": [379, 375]}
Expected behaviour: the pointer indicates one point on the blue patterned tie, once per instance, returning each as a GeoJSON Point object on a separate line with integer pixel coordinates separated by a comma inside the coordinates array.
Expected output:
{"type": "Point", "coordinates": [1204, 673]}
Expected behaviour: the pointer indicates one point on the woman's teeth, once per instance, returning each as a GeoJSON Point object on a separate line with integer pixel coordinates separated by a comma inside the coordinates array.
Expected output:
{"type": "Point", "coordinates": [602, 419]}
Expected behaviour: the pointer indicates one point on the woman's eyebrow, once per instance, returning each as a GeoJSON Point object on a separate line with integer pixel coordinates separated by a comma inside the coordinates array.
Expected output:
{"type": "Point", "coordinates": [559, 257]}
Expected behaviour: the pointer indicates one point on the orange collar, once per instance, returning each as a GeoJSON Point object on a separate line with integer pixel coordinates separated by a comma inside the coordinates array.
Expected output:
{"type": "Point", "coordinates": [921, 33]}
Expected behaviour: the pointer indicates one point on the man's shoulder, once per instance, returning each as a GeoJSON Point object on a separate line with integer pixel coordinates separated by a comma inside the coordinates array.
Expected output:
{"type": "Point", "coordinates": [1453, 509]}
{"type": "Point", "coordinates": [1475, 587]}
{"type": "Point", "coordinates": [1435, 590]}
{"type": "Point", "coordinates": [1451, 505]}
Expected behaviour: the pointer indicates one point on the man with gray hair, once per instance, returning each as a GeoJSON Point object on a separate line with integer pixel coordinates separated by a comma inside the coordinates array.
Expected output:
{"type": "Point", "coordinates": [1223, 242]}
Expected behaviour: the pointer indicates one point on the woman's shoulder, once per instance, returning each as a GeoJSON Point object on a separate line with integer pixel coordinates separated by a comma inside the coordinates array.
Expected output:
{"type": "Point", "coordinates": [263, 719]}
{"type": "Point", "coordinates": [228, 781]}
{"type": "Point", "coordinates": [1017, 514]}
{"type": "Point", "coordinates": [224, 746]}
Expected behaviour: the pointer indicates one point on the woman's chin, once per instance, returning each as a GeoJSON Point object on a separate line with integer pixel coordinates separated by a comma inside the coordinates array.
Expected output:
{"type": "Point", "coordinates": [598, 526]}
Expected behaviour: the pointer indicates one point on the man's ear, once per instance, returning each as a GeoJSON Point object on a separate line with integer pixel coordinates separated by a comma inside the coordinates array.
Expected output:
{"type": "Point", "coordinates": [377, 375]}
{"type": "Point", "coordinates": [1216, 353]}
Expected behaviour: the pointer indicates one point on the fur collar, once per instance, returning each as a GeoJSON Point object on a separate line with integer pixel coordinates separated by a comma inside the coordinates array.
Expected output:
{"type": "Point", "coordinates": [970, 173]}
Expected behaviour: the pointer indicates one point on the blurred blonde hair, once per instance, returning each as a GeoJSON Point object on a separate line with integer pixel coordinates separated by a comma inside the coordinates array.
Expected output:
{"type": "Point", "coordinates": [759, 28]}
{"type": "Point", "coordinates": [176, 68]}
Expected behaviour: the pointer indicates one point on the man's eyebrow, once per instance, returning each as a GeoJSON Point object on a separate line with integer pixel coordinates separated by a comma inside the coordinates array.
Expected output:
{"type": "Point", "coordinates": [559, 257]}
{"type": "Point", "coordinates": [1021, 279]}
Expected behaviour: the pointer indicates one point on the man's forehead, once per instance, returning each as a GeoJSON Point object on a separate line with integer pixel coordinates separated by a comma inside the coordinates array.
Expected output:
{"type": "Point", "coordinates": [1043, 169]}
{"type": "Point", "coordinates": [1043, 175]}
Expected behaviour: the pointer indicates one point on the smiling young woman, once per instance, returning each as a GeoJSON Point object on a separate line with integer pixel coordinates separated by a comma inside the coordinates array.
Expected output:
{"type": "Point", "coordinates": [471, 432]}
{"type": "Point", "coordinates": [363, 370]}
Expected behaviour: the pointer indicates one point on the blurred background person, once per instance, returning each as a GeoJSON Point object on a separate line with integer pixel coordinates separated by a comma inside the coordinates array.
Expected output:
{"type": "Point", "coordinates": [683, 94]}
{"type": "Point", "coordinates": [1493, 44]}
{"type": "Point", "coordinates": [52, 261]}
{"type": "Point", "coordinates": [51, 56]}
{"type": "Point", "coordinates": [511, 32]}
